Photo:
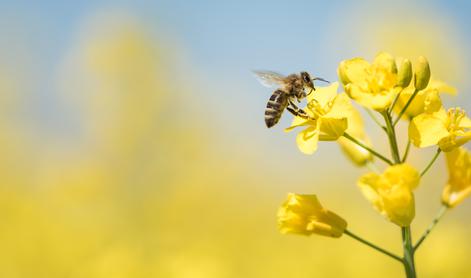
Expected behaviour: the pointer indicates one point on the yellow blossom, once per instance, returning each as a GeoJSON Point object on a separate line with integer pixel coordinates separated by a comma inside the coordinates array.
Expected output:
{"type": "Point", "coordinates": [303, 214]}
{"type": "Point", "coordinates": [371, 85]}
{"type": "Point", "coordinates": [425, 100]}
{"type": "Point", "coordinates": [447, 129]}
{"type": "Point", "coordinates": [391, 192]}
{"type": "Point", "coordinates": [328, 112]}
{"type": "Point", "coordinates": [357, 154]}
{"type": "Point", "coordinates": [458, 186]}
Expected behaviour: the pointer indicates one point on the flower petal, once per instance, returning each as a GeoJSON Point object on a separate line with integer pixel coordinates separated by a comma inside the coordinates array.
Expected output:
{"type": "Point", "coordinates": [370, 184]}
{"type": "Point", "coordinates": [378, 102]}
{"type": "Point", "coordinates": [458, 186]}
{"type": "Point", "coordinates": [403, 174]}
{"type": "Point", "coordinates": [331, 128]}
{"type": "Point", "coordinates": [353, 70]}
{"type": "Point", "coordinates": [442, 87]}
{"type": "Point", "coordinates": [324, 94]}
{"type": "Point", "coordinates": [341, 107]}
{"type": "Point", "coordinates": [385, 62]}
{"type": "Point", "coordinates": [399, 205]}
{"type": "Point", "coordinates": [427, 130]}
{"type": "Point", "coordinates": [307, 140]}
{"type": "Point", "coordinates": [297, 122]}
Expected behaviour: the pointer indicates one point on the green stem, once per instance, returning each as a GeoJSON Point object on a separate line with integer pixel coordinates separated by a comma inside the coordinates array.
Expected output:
{"type": "Point", "coordinates": [375, 153]}
{"type": "Point", "coordinates": [395, 100]}
{"type": "Point", "coordinates": [408, 261]}
{"type": "Point", "coordinates": [392, 137]}
{"type": "Point", "coordinates": [375, 119]}
{"type": "Point", "coordinates": [347, 232]}
{"type": "Point", "coordinates": [406, 153]}
{"type": "Point", "coordinates": [431, 162]}
{"type": "Point", "coordinates": [405, 107]}
{"type": "Point", "coordinates": [437, 218]}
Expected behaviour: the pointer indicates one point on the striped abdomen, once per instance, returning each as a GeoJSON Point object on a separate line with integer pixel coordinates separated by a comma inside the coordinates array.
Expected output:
{"type": "Point", "coordinates": [275, 107]}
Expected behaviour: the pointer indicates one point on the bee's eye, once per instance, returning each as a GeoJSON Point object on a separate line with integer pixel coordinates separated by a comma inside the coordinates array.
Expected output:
{"type": "Point", "coordinates": [306, 78]}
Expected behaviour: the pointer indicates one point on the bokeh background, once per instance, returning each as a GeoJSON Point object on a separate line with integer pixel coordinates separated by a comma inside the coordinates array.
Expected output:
{"type": "Point", "coordinates": [133, 142]}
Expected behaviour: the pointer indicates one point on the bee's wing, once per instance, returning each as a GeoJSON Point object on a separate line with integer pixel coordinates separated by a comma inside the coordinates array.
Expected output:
{"type": "Point", "coordinates": [269, 78]}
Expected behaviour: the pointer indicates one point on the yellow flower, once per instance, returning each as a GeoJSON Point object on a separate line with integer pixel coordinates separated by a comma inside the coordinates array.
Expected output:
{"type": "Point", "coordinates": [304, 215]}
{"type": "Point", "coordinates": [425, 100]}
{"type": "Point", "coordinates": [459, 180]}
{"type": "Point", "coordinates": [357, 154]}
{"type": "Point", "coordinates": [371, 85]}
{"type": "Point", "coordinates": [328, 112]}
{"type": "Point", "coordinates": [391, 192]}
{"type": "Point", "coordinates": [447, 129]}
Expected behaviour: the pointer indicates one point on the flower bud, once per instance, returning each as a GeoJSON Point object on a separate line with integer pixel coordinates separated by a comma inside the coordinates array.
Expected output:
{"type": "Point", "coordinates": [405, 74]}
{"type": "Point", "coordinates": [303, 214]}
{"type": "Point", "coordinates": [422, 73]}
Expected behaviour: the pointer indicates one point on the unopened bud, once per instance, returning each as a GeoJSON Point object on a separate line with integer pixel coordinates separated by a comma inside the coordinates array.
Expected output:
{"type": "Point", "coordinates": [405, 74]}
{"type": "Point", "coordinates": [422, 73]}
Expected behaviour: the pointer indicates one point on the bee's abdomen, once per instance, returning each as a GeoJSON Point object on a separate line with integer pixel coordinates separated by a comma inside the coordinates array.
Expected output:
{"type": "Point", "coordinates": [275, 107]}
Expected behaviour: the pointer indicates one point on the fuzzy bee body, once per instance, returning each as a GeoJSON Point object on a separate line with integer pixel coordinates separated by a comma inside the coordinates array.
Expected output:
{"type": "Point", "coordinates": [291, 88]}
{"type": "Point", "coordinates": [275, 107]}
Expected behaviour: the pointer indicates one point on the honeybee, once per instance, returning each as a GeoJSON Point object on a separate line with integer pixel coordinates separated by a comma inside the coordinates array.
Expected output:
{"type": "Point", "coordinates": [290, 88]}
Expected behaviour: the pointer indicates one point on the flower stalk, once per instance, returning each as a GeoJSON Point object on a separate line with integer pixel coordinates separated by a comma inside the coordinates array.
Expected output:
{"type": "Point", "coordinates": [373, 152]}
{"type": "Point", "coordinates": [392, 137]}
{"type": "Point", "coordinates": [431, 162]}
{"type": "Point", "coordinates": [372, 245]}
{"type": "Point", "coordinates": [405, 107]}
{"type": "Point", "coordinates": [408, 260]}
{"type": "Point", "coordinates": [435, 221]}
{"type": "Point", "coordinates": [406, 152]}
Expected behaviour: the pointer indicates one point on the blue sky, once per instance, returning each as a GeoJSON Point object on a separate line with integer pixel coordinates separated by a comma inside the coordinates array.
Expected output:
{"type": "Point", "coordinates": [222, 40]}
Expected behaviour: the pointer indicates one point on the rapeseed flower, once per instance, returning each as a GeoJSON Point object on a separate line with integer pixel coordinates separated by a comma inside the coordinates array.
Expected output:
{"type": "Point", "coordinates": [303, 214]}
{"type": "Point", "coordinates": [447, 129]}
{"type": "Point", "coordinates": [458, 186]}
{"type": "Point", "coordinates": [371, 85]}
{"type": "Point", "coordinates": [391, 192]}
{"type": "Point", "coordinates": [328, 113]}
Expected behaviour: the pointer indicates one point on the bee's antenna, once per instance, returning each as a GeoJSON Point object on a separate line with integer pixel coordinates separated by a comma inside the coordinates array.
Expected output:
{"type": "Point", "coordinates": [321, 79]}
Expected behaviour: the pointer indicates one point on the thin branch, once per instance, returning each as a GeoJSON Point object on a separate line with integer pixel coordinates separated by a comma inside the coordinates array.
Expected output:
{"type": "Point", "coordinates": [406, 152]}
{"type": "Point", "coordinates": [431, 162]}
{"type": "Point", "coordinates": [392, 137]}
{"type": "Point", "coordinates": [383, 158]}
{"type": "Point", "coordinates": [395, 100]}
{"type": "Point", "coordinates": [347, 232]}
{"type": "Point", "coordinates": [405, 107]}
{"type": "Point", "coordinates": [437, 218]}
{"type": "Point", "coordinates": [372, 116]}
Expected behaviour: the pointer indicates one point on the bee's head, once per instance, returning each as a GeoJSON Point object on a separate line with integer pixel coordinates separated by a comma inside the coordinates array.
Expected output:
{"type": "Point", "coordinates": [307, 81]}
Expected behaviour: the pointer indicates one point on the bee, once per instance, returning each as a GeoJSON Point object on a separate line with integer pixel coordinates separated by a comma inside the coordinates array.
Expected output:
{"type": "Point", "coordinates": [291, 88]}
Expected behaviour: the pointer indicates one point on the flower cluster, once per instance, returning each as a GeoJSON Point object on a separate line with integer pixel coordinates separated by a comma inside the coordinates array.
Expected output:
{"type": "Point", "coordinates": [394, 89]}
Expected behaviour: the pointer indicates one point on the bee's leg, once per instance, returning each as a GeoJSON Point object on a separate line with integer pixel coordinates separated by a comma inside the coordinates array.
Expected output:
{"type": "Point", "coordinates": [296, 111]}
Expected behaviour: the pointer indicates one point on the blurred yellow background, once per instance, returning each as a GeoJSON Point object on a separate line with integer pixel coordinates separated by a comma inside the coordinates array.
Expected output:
{"type": "Point", "coordinates": [133, 142]}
